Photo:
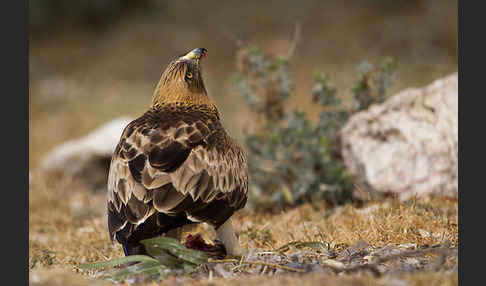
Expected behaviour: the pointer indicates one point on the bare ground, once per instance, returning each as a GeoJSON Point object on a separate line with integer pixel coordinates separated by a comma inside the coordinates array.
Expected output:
{"type": "Point", "coordinates": [383, 243]}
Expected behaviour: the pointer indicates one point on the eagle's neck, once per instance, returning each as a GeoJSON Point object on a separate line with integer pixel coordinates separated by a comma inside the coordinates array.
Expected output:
{"type": "Point", "coordinates": [177, 93]}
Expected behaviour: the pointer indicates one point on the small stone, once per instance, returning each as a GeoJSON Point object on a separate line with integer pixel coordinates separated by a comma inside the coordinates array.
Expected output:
{"type": "Point", "coordinates": [333, 264]}
{"type": "Point", "coordinates": [424, 233]}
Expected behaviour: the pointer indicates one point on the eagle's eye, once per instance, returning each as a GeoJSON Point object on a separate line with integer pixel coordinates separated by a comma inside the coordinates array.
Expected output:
{"type": "Point", "coordinates": [189, 75]}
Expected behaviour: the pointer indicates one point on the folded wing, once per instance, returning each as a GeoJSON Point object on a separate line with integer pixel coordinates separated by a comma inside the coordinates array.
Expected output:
{"type": "Point", "coordinates": [175, 163]}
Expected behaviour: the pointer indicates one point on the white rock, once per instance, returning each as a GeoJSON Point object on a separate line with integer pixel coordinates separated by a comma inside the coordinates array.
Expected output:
{"type": "Point", "coordinates": [76, 156]}
{"type": "Point", "coordinates": [409, 144]}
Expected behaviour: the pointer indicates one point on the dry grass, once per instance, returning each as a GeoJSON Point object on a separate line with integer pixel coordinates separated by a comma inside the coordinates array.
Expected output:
{"type": "Point", "coordinates": [58, 278]}
{"type": "Point", "coordinates": [67, 226]}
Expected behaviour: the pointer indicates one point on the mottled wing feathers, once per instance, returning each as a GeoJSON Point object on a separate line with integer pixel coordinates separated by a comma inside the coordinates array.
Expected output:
{"type": "Point", "coordinates": [175, 160]}
{"type": "Point", "coordinates": [209, 173]}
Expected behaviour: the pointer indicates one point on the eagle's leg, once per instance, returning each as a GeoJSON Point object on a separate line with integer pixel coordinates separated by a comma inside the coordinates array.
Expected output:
{"type": "Point", "coordinates": [227, 235]}
{"type": "Point", "coordinates": [175, 233]}
{"type": "Point", "coordinates": [134, 249]}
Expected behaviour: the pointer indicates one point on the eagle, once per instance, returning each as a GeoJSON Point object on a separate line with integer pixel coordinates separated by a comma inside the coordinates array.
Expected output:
{"type": "Point", "coordinates": [176, 165]}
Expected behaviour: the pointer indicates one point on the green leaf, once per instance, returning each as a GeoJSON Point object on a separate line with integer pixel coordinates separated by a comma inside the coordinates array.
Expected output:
{"type": "Point", "coordinates": [282, 61]}
{"type": "Point", "coordinates": [164, 257]}
{"type": "Point", "coordinates": [287, 194]}
{"type": "Point", "coordinates": [319, 76]}
{"type": "Point", "coordinates": [149, 267]}
{"type": "Point", "coordinates": [388, 65]}
{"type": "Point", "coordinates": [175, 248]}
{"type": "Point", "coordinates": [312, 244]}
{"type": "Point", "coordinates": [118, 261]}
{"type": "Point", "coordinates": [300, 244]}
{"type": "Point", "coordinates": [236, 78]}
{"type": "Point", "coordinates": [286, 246]}
{"type": "Point", "coordinates": [253, 49]}
{"type": "Point", "coordinates": [324, 142]}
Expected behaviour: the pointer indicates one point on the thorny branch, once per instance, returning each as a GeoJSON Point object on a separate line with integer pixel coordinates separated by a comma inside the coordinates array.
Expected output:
{"type": "Point", "coordinates": [293, 45]}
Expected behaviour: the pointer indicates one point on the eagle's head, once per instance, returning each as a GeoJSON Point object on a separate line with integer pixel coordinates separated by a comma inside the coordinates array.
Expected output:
{"type": "Point", "coordinates": [182, 81]}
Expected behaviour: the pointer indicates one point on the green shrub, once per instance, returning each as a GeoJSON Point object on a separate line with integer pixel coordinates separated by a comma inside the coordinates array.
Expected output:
{"type": "Point", "coordinates": [291, 159]}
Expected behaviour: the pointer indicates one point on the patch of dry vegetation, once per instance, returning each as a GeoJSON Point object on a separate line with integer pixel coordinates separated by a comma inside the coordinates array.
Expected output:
{"type": "Point", "coordinates": [57, 278]}
{"type": "Point", "coordinates": [426, 221]}
{"type": "Point", "coordinates": [67, 226]}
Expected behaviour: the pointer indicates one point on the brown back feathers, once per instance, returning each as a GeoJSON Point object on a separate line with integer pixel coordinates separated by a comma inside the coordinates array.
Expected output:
{"type": "Point", "coordinates": [175, 164]}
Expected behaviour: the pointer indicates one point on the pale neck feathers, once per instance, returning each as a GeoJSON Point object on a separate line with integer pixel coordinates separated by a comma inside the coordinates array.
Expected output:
{"type": "Point", "coordinates": [173, 89]}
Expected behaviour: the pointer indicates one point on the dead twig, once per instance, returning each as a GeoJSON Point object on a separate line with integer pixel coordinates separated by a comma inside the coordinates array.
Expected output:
{"type": "Point", "coordinates": [295, 40]}
{"type": "Point", "coordinates": [268, 264]}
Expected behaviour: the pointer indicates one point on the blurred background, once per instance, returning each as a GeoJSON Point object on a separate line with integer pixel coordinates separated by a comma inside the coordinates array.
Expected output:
{"type": "Point", "coordinates": [94, 60]}
{"type": "Point", "coordinates": [314, 147]}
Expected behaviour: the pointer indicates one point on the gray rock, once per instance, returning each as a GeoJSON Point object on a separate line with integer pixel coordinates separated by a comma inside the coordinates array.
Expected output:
{"type": "Point", "coordinates": [407, 145]}
{"type": "Point", "coordinates": [87, 157]}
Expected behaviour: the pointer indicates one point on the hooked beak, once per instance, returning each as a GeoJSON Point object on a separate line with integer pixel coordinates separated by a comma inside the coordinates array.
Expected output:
{"type": "Point", "coordinates": [197, 54]}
